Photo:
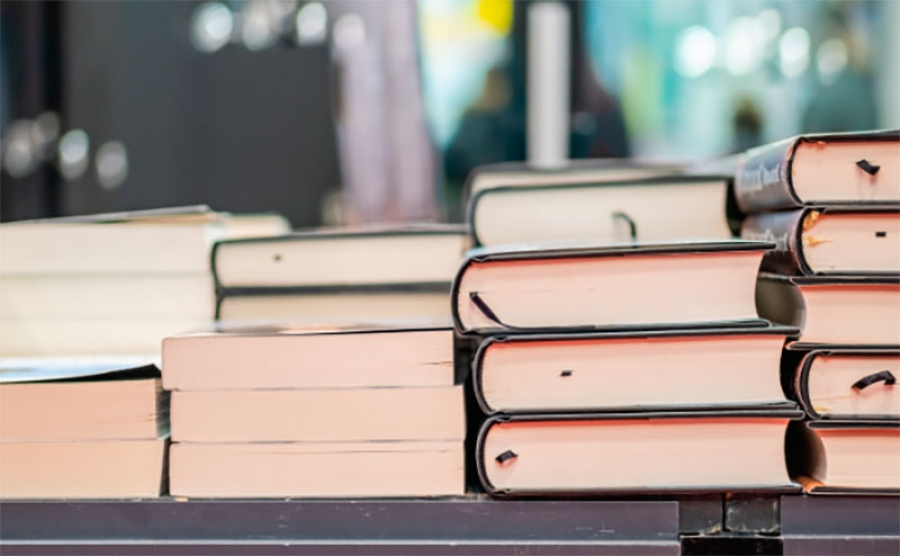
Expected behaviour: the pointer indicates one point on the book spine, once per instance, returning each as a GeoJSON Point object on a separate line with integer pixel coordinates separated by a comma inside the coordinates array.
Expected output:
{"type": "Point", "coordinates": [801, 384]}
{"type": "Point", "coordinates": [782, 229]}
{"type": "Point", "coordinates": [762, 182]}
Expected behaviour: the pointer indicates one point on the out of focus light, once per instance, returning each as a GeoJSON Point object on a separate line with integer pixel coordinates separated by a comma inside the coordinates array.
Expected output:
{"type": "Point", "coordinates": [312, 20]}
{"type": "Point", "coordinates": [744, 43]}
{"type": "Point", "coordinates": [18, 153]}
{"type": "Point", "coordinates": [112, 165]}
{"type": "Point", "coordinates": [769, 22]}
{"type": "Point", "coordinates": [831, 60]}
{"type": "Point", "coordinates": [695, 51]}
{"type": "Point", "coordinates": [258, 25]}
{"type": "Point", "coordinates": [73, 154]}
{"type": "Point", "coordinates": [349, 32]}
{"type": "Point", "coordinates": [211, 27]}
{"type": "Point", "coordinates": [793, 52]}
{"type": "Point", "coordinates": [44, 133]}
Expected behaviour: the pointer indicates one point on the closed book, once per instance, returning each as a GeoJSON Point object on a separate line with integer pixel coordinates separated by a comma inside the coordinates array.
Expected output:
{"type": "Point", "coordinates": [832, 310]}
{"type": "Point", "coordinates": [835, 240]}
{"type": "Point", "coordinates": [590, 454]}
{"type": "Point", "coordinates": [605, 211]}
{"type": "Point", "coordinates": [845, 457]}
{"type": "Point", "coordinates": [588, 287]}
{"type": "Point", "coordinates": [285, 355]}
{"type": "Point", "coordinates": [835, 168]}
{"type": "Point", "coordinates": [331, 258]}
{"type": "Point", "coordinates": [846, 384]}
{"type": "Point", "coordinates": [317, 469]}
{"type": "Point", "coordinates": [631, 371]}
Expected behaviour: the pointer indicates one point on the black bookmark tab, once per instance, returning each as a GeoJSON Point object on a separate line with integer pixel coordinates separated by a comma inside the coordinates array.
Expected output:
{"type": "Point", "coordinates": [506, 456]}
{"type": "Point", "coordinates": [631, 225]}
{"type": "Point", "coordinates": [886, 376]}
{"type": "Point", "coordinates": [486, 311]}
{"type": "Point", "coordinates": [565, 373]}
{"type": "Point", "coordinates": [868, 167]}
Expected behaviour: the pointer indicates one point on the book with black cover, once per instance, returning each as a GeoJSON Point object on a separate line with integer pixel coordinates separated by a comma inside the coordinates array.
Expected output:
{"type": "Point", "coordinates": [820, 169]}
{"type": "Point", "coordinates": [654, 370]}
{"type": "Point", "coordinates": [590, 287]}
{"type": "Point", "coordinates": [845, 457]}
{"type": "Point", "coordinates": [608, 211]}
{"type": "Point", "coordinates": [829, 240]}
{"type": "Point", "coordinates": [845, 384]}
{"type": "Point", "coordinates": [634, 453]}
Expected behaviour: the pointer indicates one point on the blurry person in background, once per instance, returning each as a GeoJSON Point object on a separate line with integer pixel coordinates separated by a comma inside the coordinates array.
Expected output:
{"type": "Point", "coordinates": [747, 126]}
{"type": "Point", "coordinates": [844, 98]}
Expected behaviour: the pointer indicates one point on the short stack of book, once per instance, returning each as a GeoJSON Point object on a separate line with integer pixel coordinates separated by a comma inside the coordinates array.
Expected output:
{"type": "Point", "coordinates": [636, 368]}
{"type": "Point", "coordinates": [288, 411]}
{"type": "Point", "coordinates": [831, 203]}
{"type": "Point", "coordinates": [111, 284]}
{"type": "Point", "coordinates": [348, 274]}
{"type": "Point", "coordinates": [82, 432]}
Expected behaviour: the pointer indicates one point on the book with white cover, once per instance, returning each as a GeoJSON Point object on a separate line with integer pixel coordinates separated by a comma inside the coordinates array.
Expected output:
{"type": "Point", "coordinates": [589, 286]}
{"type": "Point", "coordinates": [285, 355]}
{"type": "Point", "coordinates": [632, 371]}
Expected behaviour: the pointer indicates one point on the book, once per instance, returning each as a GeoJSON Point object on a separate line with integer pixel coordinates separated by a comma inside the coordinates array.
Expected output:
{"type": "Point", "coordinates": [588, 287]}
{"type": "Point", "coordinates": [319, 415]}
{"type": "Point", "coordinates": [310, 356]}
{"type": "Point", "coordinates": [840, 457]}
{"type": "Point", "coordinates": [340, 257]}
{"type": "Point", "coordinates": [81, 429]}
{"type": "Point", "coordinates": [144, 242]}
{"type": "Point", "coordinates": [619, 211]}
{"type": "Point", "coordinates": [588, 454]}
{"type": "Point", "coordinates": [83, 469]}
{"type": "Point", "coordinates": [317, 469]}
{"type": "Point", "coordinates": [81, 403]}
{"type": "Point", "coordinates": [508, 174]}
{"type": "Point", "coordinates": [834, 311]}
{"type": "Point", "coordinates": [621, 371]}
{"type": "Point", "coordinates": [846, 384]}
{"type": "Point", "coordinates": [82, 297]}
{"type": "Point", "coordinates": [821, 169]}
{"type": "Point", "coordinates": [837, 240]}
{"type": "Point", "coordinates": [426, 303]}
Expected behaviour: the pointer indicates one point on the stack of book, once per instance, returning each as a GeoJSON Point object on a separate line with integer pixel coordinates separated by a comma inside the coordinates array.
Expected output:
{"type": "Point", "coordinates": [288, 411]}
{"type": "Point", "coordinates": [358, 274]}
{"type": "Point", "coordinates": [622, 369]}
{"type": "Point", "coordinates": [831, 203]}
{"type": "Point", "coordinates": [82, 432]}
{"type": "Point", "coordinates": [111, 284]}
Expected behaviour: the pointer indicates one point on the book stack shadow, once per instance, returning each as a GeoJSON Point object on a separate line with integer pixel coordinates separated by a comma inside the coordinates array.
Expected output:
{"type": "Point", "coordinates": [829, 204]}
{"type": "Point", "coordinates": [630, 369]}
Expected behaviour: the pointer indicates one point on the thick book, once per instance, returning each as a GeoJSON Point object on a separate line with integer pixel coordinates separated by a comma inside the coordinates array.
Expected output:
{"type": "Point", "coordinates": [618, 211]}
{"type": "Point", "coordinates": [631, 371]}
{"type": "Point", "coordinates": [319, 415]}
{"type": "Point", "coordinates": [317, 469]}
{"type": "Point", "coordinates": [845, 457]}
{"type": "Point", "coordinates": [81, 429]}
{"type": "Point", "coordinates": [837, 240]}
{"type": "Point", "coordinates": [834, 168]}
{"type": "Point", "coordinates": [370, 304]}
{"type": "Point", "coordinates": [335, 258]}
{"type": "Point", "coordinates": [285, 355]}
{"type": "Point", "coordinates": [588, 287]}
{"type": "Point", "coordinates": [833, 311]}
{"type": "Point", "coordinates": [628, 453]}
{"type": "Point", "coordinates": [846, 384]}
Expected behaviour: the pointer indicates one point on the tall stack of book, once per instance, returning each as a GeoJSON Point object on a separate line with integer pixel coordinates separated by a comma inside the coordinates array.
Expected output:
{"type": "Point", "coordinates": [619, 368]}
{"type": "Point", "coordinates": [110, 284]}
{"type": "Point", "coordinates": [292, 411]}
{"type": "Point", "coordinates": [82, 432]}
{"type": "Point", "coordinates": [831, 203]}
{"type": "Point", "coordinates": [364, 274]}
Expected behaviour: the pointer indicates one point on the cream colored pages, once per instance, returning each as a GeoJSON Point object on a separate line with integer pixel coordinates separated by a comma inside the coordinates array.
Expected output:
{"type": "Point", "coordinates": [828, 171]}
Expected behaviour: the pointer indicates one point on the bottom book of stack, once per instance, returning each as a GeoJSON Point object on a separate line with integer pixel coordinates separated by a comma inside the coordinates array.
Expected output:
{"type": "Point", "coordinates": [360, 411]}
{"type": "Point", "coordinates": [82, 431]}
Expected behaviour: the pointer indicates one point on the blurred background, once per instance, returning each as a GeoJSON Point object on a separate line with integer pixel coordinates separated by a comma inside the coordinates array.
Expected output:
{"type": "Point", "coordinates": [355, 111]}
